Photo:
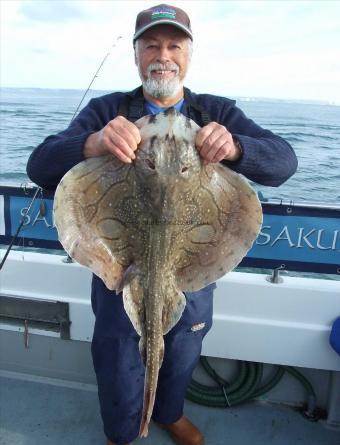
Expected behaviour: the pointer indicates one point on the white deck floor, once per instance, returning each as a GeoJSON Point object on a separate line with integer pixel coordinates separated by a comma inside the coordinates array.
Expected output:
{"type": "Point", "coordinates": [36, 413]}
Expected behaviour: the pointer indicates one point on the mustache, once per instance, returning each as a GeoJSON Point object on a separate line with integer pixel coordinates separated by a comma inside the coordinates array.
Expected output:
{"type": "Point", "coordinates": [163, 67]}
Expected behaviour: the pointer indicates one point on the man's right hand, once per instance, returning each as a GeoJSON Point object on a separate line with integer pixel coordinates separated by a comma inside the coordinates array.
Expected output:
{"type": "Point", "coordinates": [119, 137]}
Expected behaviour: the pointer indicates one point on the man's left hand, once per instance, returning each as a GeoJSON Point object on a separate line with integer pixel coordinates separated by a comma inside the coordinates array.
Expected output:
{"type": "Point", "coordinates": [215, 143]}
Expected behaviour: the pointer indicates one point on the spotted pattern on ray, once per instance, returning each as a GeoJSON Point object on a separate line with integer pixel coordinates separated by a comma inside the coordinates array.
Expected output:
{"type": "Point", "coordinates": [157, 227]}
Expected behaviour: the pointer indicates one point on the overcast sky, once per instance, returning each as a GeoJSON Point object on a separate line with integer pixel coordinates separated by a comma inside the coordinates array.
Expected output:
{"type": "Point", "coordinates": [274, 49]}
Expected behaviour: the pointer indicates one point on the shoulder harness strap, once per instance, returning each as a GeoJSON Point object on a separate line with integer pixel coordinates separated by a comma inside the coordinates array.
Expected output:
{"type": "Point", "coordinates": [204, 115]}
{"type": "Point", "coordinates": [131, 107]}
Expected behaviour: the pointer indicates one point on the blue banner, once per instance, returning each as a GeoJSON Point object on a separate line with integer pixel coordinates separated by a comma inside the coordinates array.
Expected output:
{"type": "Point", "coordinates": [38, 229]}
{"type": "Point", "coordinates": [297, 238]}
{"type": "Point", "coordinates": [293, 237]}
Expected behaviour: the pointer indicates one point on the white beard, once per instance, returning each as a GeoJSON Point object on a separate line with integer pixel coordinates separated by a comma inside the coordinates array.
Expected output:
{"type": "Point", "coordinates": [161, 88]}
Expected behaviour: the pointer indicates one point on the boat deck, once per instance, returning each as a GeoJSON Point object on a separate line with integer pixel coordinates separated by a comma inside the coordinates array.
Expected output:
{"type": "Point", "coordinates": [40, 411]}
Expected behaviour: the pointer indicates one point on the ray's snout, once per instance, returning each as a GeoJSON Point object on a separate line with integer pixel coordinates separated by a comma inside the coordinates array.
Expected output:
{"type": "Point", "coordinates": [167, 158]}
{"type": "Point", "coordinates": [167, 170]}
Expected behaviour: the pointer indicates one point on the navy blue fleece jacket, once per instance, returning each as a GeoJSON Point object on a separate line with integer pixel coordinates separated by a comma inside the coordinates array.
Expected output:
{"type": "Point", "coordinates": [267, 158]}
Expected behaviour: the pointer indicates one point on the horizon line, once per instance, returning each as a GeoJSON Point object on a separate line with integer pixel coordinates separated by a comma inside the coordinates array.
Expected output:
{"type": "Point", "coordinates": [246, 98]}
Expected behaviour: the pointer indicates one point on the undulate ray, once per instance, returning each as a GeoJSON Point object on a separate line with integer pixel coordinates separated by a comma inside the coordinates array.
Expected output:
{"type": "Point", "coordinates": [157, 227]}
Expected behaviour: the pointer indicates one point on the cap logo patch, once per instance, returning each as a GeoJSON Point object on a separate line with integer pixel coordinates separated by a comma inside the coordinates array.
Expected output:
{"type": "Point", "coordinates": [163, 13]}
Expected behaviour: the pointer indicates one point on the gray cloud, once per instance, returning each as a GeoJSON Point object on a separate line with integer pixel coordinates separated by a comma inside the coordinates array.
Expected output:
{"type": "Point", "coordinates": [56, 11]}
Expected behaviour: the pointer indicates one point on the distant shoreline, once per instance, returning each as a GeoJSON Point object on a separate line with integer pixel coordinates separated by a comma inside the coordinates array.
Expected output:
{"type": "Point", "coordinates": [238, 98]}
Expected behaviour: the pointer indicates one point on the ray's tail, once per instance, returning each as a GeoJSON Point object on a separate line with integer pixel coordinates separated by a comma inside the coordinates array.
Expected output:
{"type": "Point", "coordinates": [154, 358]}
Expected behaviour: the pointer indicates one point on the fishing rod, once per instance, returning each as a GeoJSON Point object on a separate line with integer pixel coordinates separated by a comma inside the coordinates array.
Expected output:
{"type": "Point", "coordinates": [95, 76]}
{"type": "Point", "coordinates": [39, 189]}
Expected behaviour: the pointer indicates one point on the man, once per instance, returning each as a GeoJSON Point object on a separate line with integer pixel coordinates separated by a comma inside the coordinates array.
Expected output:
{"type": "Point", "coordinates": [163, 47]}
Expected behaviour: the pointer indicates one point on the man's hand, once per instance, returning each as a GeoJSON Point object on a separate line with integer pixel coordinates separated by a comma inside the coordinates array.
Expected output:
{"type": "Point", "coordinates": [214, 143]}
{"type": "Point", "coordinates": [119, 137]}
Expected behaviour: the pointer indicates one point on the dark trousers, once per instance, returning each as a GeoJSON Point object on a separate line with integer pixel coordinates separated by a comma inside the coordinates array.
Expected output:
{"type": "Point", "coordinates": [120, 371]}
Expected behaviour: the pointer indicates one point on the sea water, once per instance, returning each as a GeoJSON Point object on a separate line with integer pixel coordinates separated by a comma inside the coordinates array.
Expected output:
{"type": "Point", "coordinates": [28, 116]}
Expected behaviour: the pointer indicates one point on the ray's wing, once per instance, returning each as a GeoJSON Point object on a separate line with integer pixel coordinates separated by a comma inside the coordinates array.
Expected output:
{"type": "Point", "coordinates": [95, 214]}
{"type": "Point", "coordinates": [225, 220]}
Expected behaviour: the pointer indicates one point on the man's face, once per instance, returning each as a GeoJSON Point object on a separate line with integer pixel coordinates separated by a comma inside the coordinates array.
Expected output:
{"type": "Point", "coordinates": [162, 55]}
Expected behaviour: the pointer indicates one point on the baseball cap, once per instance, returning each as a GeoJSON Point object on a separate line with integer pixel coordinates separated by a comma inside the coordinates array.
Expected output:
{"type": "Point", "coordinates": [162, 15]}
